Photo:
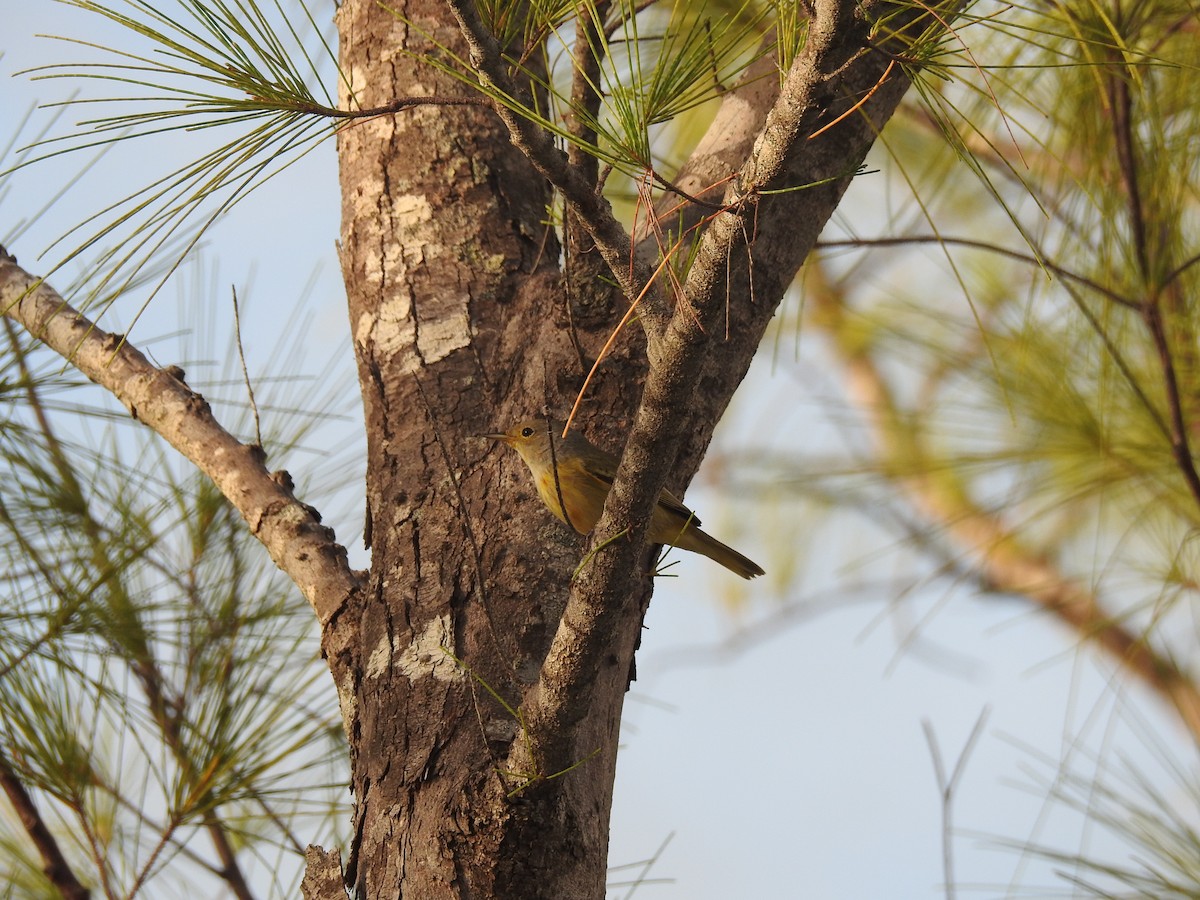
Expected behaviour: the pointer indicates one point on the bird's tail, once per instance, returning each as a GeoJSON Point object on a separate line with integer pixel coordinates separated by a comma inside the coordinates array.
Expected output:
{"type": "Point", "coordinates": [705, 544]}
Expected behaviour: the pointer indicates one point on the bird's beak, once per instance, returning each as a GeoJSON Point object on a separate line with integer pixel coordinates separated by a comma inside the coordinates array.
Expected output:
{"type": "Point", "coordinates": [498, 437]}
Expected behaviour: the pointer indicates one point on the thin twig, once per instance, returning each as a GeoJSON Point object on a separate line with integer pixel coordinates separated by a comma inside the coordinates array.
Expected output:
{"type": "Point", "coordinates": [946, 789]}
{"type": "Point", "coordinates": [1039, 261]}
{"type": "Point", "coordinates": [1180, 444]}
{"type": "Point", "coordinates": [1121, 108]}
{"type": "Point", "coordinates": [1175, 273]}
{"type": "Point", "coordinates": [164, 839]}
{"type": "Point", "coordinates": [237, 330]}
{"type": "Point", "coordinates": [857, 106]}
{"type": "Point", "coordinates": [590, 45]}
{"type": "Point", "coordinates": [646, 865]}
{"type": "Point", "coordinates": [398, 105]}
{"type": "Point", "coordinates": [611, 339]}
{"type": "Point", "coordinates": [680, 192]}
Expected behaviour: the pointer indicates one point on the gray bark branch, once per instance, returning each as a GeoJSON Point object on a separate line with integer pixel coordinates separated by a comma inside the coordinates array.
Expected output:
{"type": "Point", "coordinates": [303, 548]}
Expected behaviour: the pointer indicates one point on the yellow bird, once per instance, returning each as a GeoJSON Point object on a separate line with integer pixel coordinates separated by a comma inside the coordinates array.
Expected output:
{"type": "Point", "coordinates": [585, 475]}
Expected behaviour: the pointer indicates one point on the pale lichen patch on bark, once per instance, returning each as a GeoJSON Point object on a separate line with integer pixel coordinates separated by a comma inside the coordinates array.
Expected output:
{"type": "Point", "coordinates": [380, 658]}
{"type": "Point", "coordinates": [363, 203]}
{"type": "Point", "coordinates": [394, 268]}
{"type": "Point", "coordinates": [394, 338]}
{"type": "Point", "coordinates": [347, 702]}
{"type": "Point", "coordinates": [392, 332]}
{"type": "Point", "coordinates": [362, 331]}
{"type": "Point", "coordinates": [429, 653]}
{"type": "Point", "coordinates": [411, 209]}
{"type": "Point", "coordinates": [442, 336]}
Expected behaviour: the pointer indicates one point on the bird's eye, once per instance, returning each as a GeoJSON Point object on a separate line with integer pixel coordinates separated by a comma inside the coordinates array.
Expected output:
{"type": "Point", "coordinates": [526, 432]}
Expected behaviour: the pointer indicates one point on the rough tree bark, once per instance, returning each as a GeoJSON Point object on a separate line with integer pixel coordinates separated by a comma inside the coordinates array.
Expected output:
{"type": "Point", "coordinates": [460, 325]}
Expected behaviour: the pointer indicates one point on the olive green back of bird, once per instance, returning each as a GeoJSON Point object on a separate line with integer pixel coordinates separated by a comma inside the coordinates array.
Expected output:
{"type": "Point", "coordinates": [585, 475]}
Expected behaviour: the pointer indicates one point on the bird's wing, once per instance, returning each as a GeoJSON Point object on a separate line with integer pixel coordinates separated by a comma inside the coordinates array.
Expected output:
{"type": "Point", "coordinates": [666, 500]}
{"type": "Point", "coordinates": [669, 501]}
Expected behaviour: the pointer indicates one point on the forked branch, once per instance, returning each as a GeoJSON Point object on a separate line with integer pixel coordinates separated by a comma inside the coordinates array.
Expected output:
{"type": "Point", "coordinates": [599, 623]}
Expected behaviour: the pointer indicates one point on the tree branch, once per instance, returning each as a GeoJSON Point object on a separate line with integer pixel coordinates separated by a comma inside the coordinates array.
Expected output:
{"type": "Point", "coordinates": [592, 210]}
{"type": "Point", "coordinates": [54, 865]}
{"type": "Point", "coordinates": [291, 531]}
{"type": "Point", "coordinates": [780, 224]}
{"type": "Point", "coordinates": [598, 621]}
{"type": "Point", "coordinates": [1146, 254]}
{"type": "Point", "coordinates": [590, 42]}
{"type": "Point", "coordinates": [1003, 561]}
{"type": "Point", "coordinates": [400, 104]}
{"type": "Point", "coordinates": [1039, 261]}
{"type": "Point", "coordinates": [1180, 445]}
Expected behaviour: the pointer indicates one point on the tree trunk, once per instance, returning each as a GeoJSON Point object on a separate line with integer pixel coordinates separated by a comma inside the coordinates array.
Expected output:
{"type": "Point", "coordinates": [460, 325]}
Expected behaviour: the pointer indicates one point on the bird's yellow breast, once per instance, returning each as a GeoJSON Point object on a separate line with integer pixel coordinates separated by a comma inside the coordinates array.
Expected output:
{"type": "Point", "coordinates": [582, 493]}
